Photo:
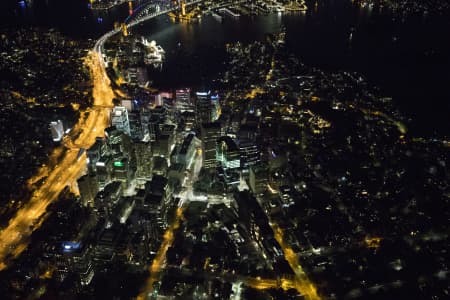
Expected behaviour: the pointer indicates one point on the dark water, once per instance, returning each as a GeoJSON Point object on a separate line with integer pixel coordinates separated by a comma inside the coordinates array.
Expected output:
{"type": "Point", "coordinates": [409, 59]}
{"type": "Point", "coordinates": [72, 17]}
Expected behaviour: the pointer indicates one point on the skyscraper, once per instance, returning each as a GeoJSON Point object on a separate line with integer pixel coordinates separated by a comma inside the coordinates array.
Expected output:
{"type": "Point", "coordinates": [119, 119]}
{"type": "Point", "coordinates": [215, 107]}
{"type": "Point", "coordinates": [203, 106]}
{"type": "Point", "coordinates": [259, 177]}
{"type": "Point", "coordinates": [144, 165]}
{"type": "Point", "coordinates": [183, 100]}
{"type": "Point", "coordinates": [88, 187]}
{"type": "Point", "coordinates": [227, 153]}
{"type": "Point", "coordinates": [210, 134]}
{"type": "Point", "coordinates": [57, 130]}
{"type": "Point", "coordinates": [208, 107]}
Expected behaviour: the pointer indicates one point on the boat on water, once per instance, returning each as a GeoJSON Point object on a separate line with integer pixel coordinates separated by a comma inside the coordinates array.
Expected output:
{"type": "Point", "coordinates": [155, 54]}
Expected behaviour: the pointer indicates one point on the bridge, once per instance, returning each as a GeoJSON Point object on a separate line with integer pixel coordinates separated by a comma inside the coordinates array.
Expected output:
{"type": "Point", "coordinates": [139, 16]}
{"type": "Point", "coordinates": [66, 165]}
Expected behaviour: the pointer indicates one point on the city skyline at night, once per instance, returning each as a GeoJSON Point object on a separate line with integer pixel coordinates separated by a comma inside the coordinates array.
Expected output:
{"type": "Point", "coordinates": [159, 149]}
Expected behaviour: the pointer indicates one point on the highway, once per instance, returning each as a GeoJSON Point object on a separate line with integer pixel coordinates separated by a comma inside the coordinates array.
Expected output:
{"type": "Point", "coordinates": [64, 165]}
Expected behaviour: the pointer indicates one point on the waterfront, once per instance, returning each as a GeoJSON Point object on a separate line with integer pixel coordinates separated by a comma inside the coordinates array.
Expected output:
{"type": "Point", "coordinates": [407, 62]}
{"type": "Point", "coordinates": [341, 197]}
{"type": "Point", "coordinates": [406, 57]}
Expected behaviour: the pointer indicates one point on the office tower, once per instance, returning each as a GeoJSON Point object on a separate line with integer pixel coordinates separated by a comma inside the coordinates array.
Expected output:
{"type": "Point", "coordinates": [119, 119]}
{"type": "Point", "coordinates": [163, 146]}
{"type": "Point", "coordinates": [97, 150]}
{"type": "Point", "coordinates": [258, 178]}
{"type": "Point", "coordinates": [57, 130]}
{"type": "Point", "coordinates": [203, 106]}
{"type": "Point", "coordinates": [208, 107]}
{"type": "Point", "coordinates": [188, 118]}
{"type": "Point", "coordinates": [215, 108]}
{"type": "Point", "coordinates": [107, 199]}
{"type": "Point", "coordinates": [144, 165]}
{"type": "Point", "coordinates": [118, 142]}
{"type": "Point", "coordinates": [88, 187]}
{"type": "Point", "coordinates": [210, 134]}
{"type": "Point", "coordinates": [160, 166]}
{"type": "Point", "coordinates": [121, 170]}
{"type": "Point", "coordinates": [136, 132]}
{"type": "Point", "coordinates": [158, 100]}
{"type": "Point", "coordinates": [227, 153]}
{"type": "Point", "coordinates": [183, 100]}
{"type": "Point", "coordinates": [153, 127]}
{"type": "Point", "coordinates": [250, 154]}
{"type": "Point", "coordinates": [104, 170]}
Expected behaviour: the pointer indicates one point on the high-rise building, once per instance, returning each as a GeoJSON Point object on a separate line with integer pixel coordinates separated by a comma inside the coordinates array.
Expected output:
{"type": "Point", "coordinates": [227, 153]}
{"type": "Point", "coordinates": [203, 106]}
{"type": "Point", "coordinates": [95, 152]}
{"type": "Point", "coordinates": [122, 170]}
{"type": "Point", "coordinates": [88, 187]}
{"type": "Point", "coordinates": [208, 107]}
{"type": "Point", "coordinates": [107, 199]}
{"type": "Point", "coordinates": [57, 130]}
{"type": "Point", "coordinates": [215, 107]}
{"type": "Point", "coordinates": [144, 164]}
{"type": "Point", "coordinates": [145, 118]}
{"type": "Point", "coordinates": [250, 154]}
{"type": "Point", "coordinates": [259, 178]}
{"type": "Point", "coordinates": [118, 142]}
{"type": "Point", "coordinates": [136, 131]}
{"type": "Point", "coordinates": [153, 127]}
{"type": "Point", "coordinates": [119, 119]}
{"type": "Point", "coordinates": [210, 134]}
{"type": "Point", "coordinates": [163, 145]}
{"type": "Point", "coordinates": [188, 119]}
{"type": "Point", "coordinates": [104, 170]}
{"type": "Point", "coordinates": [183, 100]}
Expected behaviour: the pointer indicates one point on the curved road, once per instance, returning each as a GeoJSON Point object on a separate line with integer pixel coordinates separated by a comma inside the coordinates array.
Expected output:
{"type": "Point", "coordinates": [66, 166]}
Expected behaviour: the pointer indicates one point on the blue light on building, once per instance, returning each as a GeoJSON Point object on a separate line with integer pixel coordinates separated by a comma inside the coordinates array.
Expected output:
{"type": "Point", "coordinates": [69, 247]}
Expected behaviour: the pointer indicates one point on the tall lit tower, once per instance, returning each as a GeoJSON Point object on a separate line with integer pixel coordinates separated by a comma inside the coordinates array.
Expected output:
{"type": "Point", "coordinates": [210, 134]}
{"type": "Point", "coordinates": [183, 7]}
{"type": "Point", "coordinates": [183, 100]}
{"type": "Point", "coordinates": [57, 130]}
{"type": "Point", "coordinates": [119, 119]}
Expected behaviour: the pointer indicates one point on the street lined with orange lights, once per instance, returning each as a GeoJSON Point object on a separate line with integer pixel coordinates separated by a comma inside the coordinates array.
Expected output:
{"type": "Point", "coordinates": [301, 283]}
{"type": "Point", "coordinates": [160, 258]}
{"type": "Point", "coordinates": [63, 169]}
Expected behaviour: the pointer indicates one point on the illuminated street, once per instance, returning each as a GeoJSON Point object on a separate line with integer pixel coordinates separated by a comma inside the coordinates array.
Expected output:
{"type": "Point", "coordinates": [160, 257]}
{"type": "Point", "coordinates": [238, 150]}
{"type": "Point", "coordinates": [301, 283]}
{"type": "Point", "coordinates": [65, 169]}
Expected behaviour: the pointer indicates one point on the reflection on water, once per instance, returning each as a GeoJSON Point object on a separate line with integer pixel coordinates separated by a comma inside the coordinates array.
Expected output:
{"type": "Point", "coordinates": [406, 57]}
